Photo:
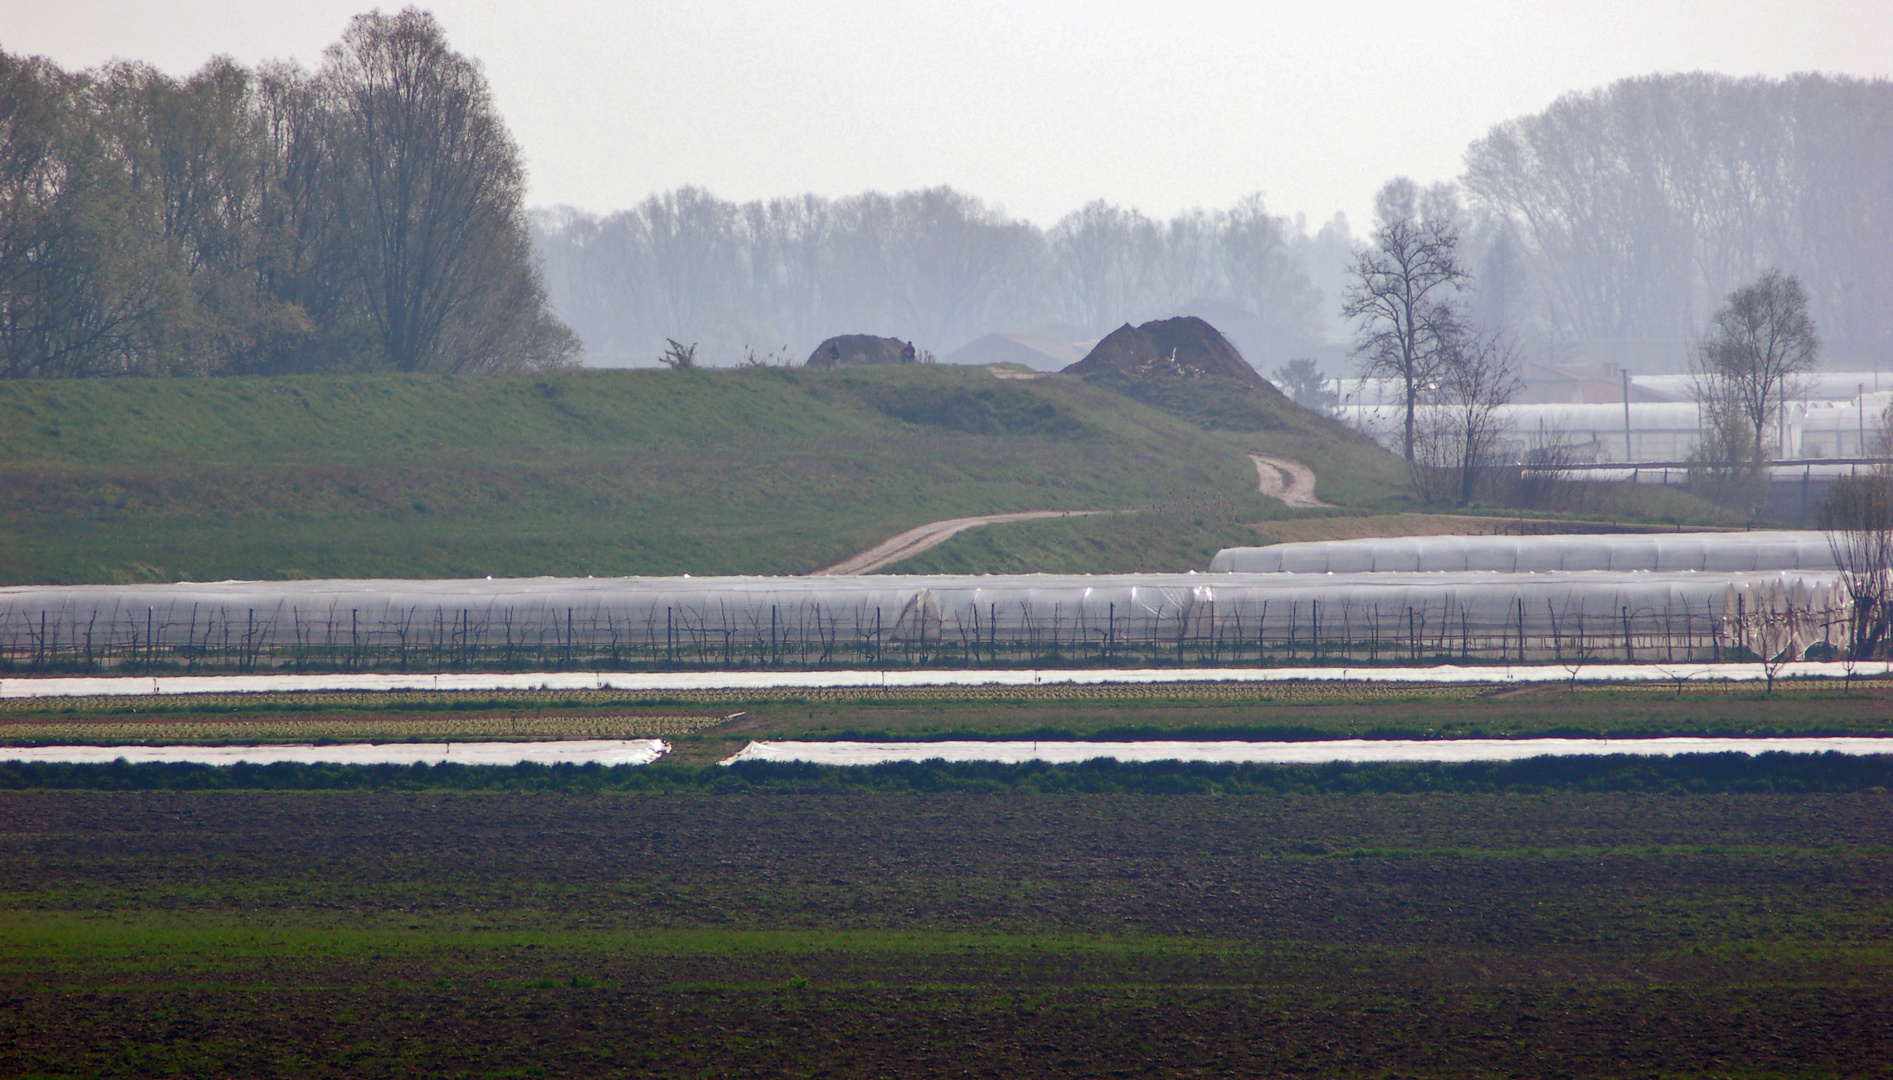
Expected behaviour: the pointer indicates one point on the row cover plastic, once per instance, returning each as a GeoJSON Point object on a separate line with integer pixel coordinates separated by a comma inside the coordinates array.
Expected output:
{"type": "Point", "coordinates": [1013, 752]}
{"type": "Point", "coordinates": [839, 613]}
{"type": "Point", "coordinates": [69, 686]}
{"type": "Point", "coordinates": [1718, 552]}
{"type": "Point", "coordinates": [561, 752]}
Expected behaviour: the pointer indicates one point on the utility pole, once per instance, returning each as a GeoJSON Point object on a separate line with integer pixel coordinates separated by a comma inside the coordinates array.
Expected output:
{"type": "Point", "coordinates": [1860, 399]}
{"type": "Point", "coordinates": [1629, 455]}
{"type": "Point", "coordinates": [1781, 421]}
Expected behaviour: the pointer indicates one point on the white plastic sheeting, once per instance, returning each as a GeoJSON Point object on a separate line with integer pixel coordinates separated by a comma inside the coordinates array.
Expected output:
{"type": "Point", "coordinates": [659, 681]}
{"type": "Point", "coordinates": [1676, 476]}
{"type": "Point", "coordinates": [564, 752]}
{"type": "Point", "coordinates": [1288, 753]}
{"type": "Point", "coordinates": [1717, 552]}
{"type": "Point", "coordinates": [1659, 431]}
{"type": "Point", "coordinates": [838, 621]}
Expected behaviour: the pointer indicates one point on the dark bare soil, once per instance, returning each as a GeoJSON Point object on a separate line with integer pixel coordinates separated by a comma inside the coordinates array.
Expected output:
{"type": "Point", "coordinates": [378, 933]}
{"type": "Point", "coordinates": [1184, 347]}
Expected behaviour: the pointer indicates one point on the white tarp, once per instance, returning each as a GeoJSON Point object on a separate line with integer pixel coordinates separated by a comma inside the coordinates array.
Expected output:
{"type": "Point", "coordinates": [565, 752]}
{"type": "Point", "coordinates": [659, 681]}
{"type": "Point", "coordinates": [1712, 552]}
{"type": "Point", "coordinates": [434, 623]}
{"type": "Point", "coordinates": [1287, 753]}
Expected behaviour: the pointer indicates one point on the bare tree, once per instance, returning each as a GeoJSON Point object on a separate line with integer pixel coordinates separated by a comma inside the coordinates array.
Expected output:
{"type": "Point", "coordinates": [1480, 375]}
{"type": "Point", "coordinates": [1857, 516]}
{"type": "Point", "coordinates": [1759, 344]}
{"type": "Point", "coordinates": [1102, 255]}
{"type": "Point", "coordinates": [1400, 298]}
{"type": "Point", "coordinates": [86, 279]}
{"type": "Point", "coordinates": [433, 192]}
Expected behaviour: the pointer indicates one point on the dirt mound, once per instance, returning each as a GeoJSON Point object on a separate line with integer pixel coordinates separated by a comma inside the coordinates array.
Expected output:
{"type": "Point", "coordinates": [851, 350]}
{"type": "Point", "coordinates": [1185, 347]}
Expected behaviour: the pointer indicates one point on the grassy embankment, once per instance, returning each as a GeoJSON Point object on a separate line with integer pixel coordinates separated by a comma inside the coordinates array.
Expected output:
{"type": "Point", "coordinates": [752, 471]}
{"type": "Point", "coordinates": [764, 471]}
{"type": "Point", "coordinates": [1356, 475]}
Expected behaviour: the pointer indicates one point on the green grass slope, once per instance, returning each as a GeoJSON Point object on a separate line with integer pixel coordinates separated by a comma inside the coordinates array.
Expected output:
{"type": "Point", "coordinates": [1351, 469]}
{"type": "Point", "coordinates": [1166, 539]}
{"type": "Point", "coordinates": [751, 471]}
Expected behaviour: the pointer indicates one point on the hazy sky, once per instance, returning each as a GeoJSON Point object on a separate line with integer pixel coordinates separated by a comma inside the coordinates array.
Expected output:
{"type": "Point", "coordinates": [1041, 107]}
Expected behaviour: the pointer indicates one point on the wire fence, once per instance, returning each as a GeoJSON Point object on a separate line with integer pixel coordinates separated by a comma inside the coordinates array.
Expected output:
{"type": "Point", "coordinates": [1785, 619]}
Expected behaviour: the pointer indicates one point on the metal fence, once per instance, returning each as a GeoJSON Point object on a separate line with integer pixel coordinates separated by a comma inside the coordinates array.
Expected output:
{"type": "Point", "coordinates": [881, 621]}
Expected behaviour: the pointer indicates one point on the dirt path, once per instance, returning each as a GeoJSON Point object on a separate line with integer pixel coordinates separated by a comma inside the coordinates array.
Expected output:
{"type": "Point", "coordinates": [1290, 481]}
{"type": "Point", "coordinates": [932, 535]}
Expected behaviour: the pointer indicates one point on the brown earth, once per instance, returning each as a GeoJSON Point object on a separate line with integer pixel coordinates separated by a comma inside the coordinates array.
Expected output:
{"type": "Point", "coordinates": [1185, 347]}
{"type": "Point", "coordinates": [926, 537]}
{"type": "Point", "coordinates": [1287, 480]}
{"type": "Point", "coordinates": [401, 934]}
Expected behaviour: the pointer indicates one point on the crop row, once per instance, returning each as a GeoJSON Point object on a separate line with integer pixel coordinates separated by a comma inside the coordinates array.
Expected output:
{"type": "Point", "coordinates": [621, 726]}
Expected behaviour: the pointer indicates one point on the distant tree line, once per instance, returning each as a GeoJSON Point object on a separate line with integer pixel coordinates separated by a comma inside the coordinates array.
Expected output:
{"type": "Point", "coordinates": [938, 266]}
{"type": "Point", "coordinates": [1633, 211]}
{"type": "Point", "coordinates": [364, 216]}
{"type": "Point", "coordinates": [1432, 329]}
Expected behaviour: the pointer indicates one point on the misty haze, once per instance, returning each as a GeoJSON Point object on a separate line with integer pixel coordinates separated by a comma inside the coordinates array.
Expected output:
{"type": "Point", "coordinates": [835, 539]}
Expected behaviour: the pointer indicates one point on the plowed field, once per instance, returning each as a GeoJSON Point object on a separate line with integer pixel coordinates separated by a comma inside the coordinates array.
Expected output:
{"type": "Point", "coordinates": [377, 933]}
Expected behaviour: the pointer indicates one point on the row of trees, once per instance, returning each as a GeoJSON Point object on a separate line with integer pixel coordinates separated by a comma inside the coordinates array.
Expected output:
{"type": "Point", "coordinates": [1681, 221]}
{"type": "Point", "coordinates": [366, 215]}
{"type": "Point", "coordinates": [1626, 214]}
{"type": "Point", "coordinates": [1417, 314]}
{"type": "Point", "coordinates": [937, 266]}
{"type": "Point", "coordinates": [1610, 226]}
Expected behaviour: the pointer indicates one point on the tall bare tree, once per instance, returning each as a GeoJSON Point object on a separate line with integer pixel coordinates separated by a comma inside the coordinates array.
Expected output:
{"type": "Point", "coordinates": [1400, 298]}
{"type": "Point", "coordinates": [432, 192]}
{"type": "Point", "coordinates": [1760, 343]}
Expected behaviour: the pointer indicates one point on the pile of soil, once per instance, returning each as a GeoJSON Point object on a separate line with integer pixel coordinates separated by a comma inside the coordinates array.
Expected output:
{"type": "Point", "coordinates": [852, 350]}
{"type": "Point", "coordinates": [1185, 347]}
